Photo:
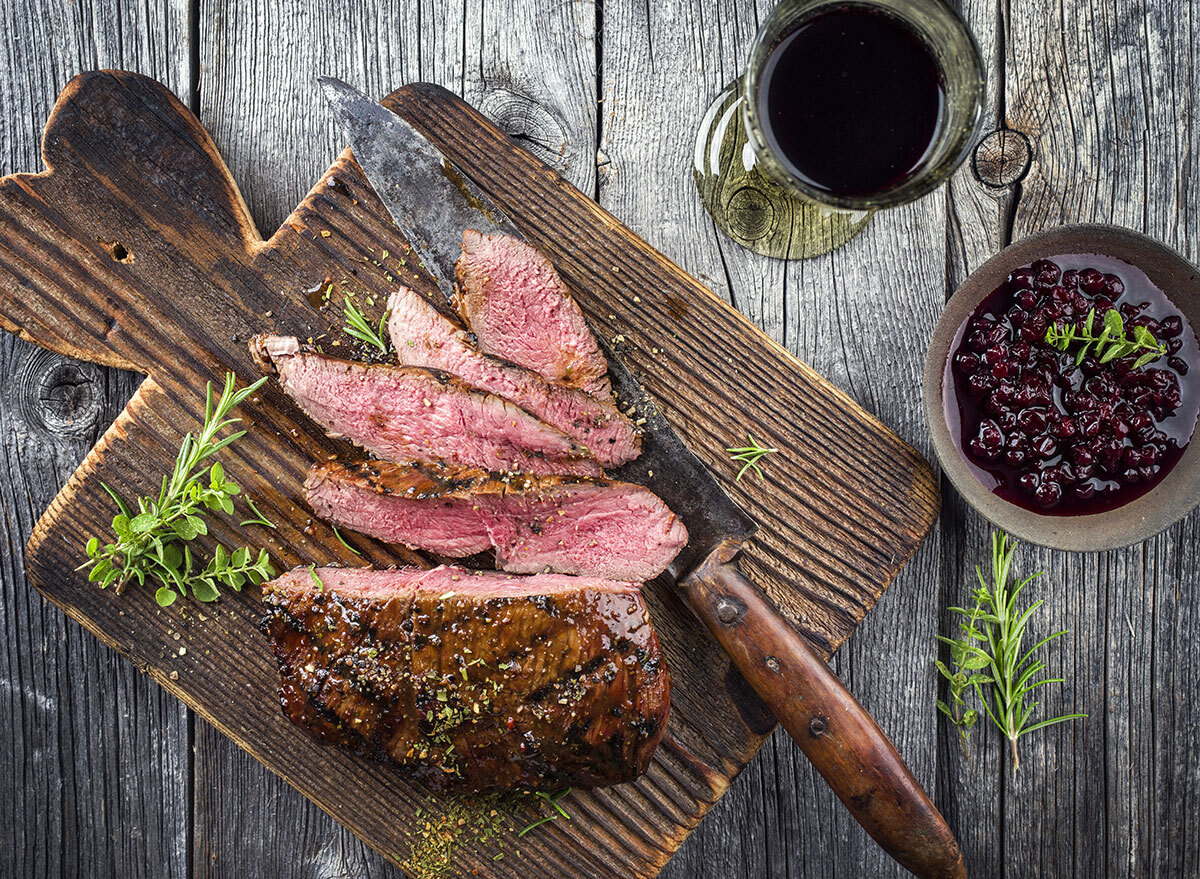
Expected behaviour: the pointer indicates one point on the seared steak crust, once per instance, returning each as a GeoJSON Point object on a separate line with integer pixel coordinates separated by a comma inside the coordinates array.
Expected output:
{"type": "Point", "coordinates": [405, 413]}
{"type": "Point", "coordinates": [572, 525]}
{"type": "Point", "coordinates": [475, 679]}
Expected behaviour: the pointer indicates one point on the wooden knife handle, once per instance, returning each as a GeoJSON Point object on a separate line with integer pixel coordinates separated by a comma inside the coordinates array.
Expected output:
{"type": "Point", "coordinates": [843, 741]}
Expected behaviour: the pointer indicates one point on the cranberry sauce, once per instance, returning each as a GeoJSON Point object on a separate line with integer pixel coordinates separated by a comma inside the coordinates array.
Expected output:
{"type": "Point", "coordinates": [851, 101]}
{"type": "Point", "coordinates": [1063, 438]}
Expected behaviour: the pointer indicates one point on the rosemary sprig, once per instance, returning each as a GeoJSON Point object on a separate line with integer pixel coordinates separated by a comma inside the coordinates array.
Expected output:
{"type": "Point", "coordinates": [552, 799]}
{"type": "Point", "coordinates": [152, 543]}
{"type": "Point", "coordinates": [993, 641]}
{"type": "Point", "coordinates": [1111, 343]}
{"type": "Point", "coordinates": [749, 456]}
{"type": "Point", "coordinates": [959, 677]}
{"type": "Point", "coordinates": [358, 328]}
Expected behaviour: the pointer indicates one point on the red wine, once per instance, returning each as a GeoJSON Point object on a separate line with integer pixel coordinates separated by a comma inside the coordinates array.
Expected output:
{"type": "Point", "coordinates": [850, 101]}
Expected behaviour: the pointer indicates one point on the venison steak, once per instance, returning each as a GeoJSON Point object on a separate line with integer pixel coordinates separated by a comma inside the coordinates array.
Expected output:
{"type": "Point", "coordinates": [571, 525]}
{"type": "Point", "coordinates": [480, 680]}
{"type": "Point", "coordinates": [426, 334]}
{"type": "Point", "coordinates": [407, 413]}
{"type": "Point", "coordinates": [519, 309]}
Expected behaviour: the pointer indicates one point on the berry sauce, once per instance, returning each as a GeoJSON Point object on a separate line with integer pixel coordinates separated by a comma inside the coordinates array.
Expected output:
{"type": "Point", "coordinates": [1063, 438]}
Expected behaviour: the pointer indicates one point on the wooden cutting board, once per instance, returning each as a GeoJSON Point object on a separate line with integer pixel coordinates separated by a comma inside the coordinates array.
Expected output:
{"type": "Point", "coordinates": [135, 249]}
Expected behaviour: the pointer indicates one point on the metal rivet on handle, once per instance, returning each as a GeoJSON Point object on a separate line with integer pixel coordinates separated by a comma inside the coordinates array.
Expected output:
{"type": "Point", "coordinates": [729, 610]}
{"type": "Point", "coordinates": [817, 726]}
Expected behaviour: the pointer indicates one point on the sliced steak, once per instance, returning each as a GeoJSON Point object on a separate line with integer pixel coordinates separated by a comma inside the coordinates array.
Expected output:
{"type": "Point", "coordinates": [518, 307]}
{"type": "Point", "coordinates": [406, 413]}
{"type": "Point", "coordinates": [482, 680]}
{"type": "Point", "coordinates": [425, 334]}
{"type": "Point", "coordinates": [572, 525]}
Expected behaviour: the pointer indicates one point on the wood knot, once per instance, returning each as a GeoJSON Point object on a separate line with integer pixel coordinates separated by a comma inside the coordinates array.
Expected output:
{"type": "Point", "coordinates": [62, 396]}
{"type": "Point", "coordinates": [817, 726]}
{"type": "Point", "coordinates": [1002, 158]}
{"type": "Point", "coordinates": [530, 123]}
{"type": "Point", "coordinates": [729, 610]}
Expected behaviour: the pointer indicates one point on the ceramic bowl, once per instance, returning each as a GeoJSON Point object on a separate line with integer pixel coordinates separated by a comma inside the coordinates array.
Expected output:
{"type": "Point", "coordinates": [1173, 498]}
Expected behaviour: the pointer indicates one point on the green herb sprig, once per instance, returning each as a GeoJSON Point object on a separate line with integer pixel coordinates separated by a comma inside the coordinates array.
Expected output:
{"type": "Point", "coordinates": [552, 799]}
{"type": "Point", "coordinates": [749, 456]}
{"type": "Point", "coordinates": [993, 643]}
{"type": "Point", "coordinates": [358, 328]}
{"type": "Point", "coordinates": [963, 662]}
{"type": "Point", "coordinates": [152, 543]}
{"type": "Point", "coordinates": [1111, 343]}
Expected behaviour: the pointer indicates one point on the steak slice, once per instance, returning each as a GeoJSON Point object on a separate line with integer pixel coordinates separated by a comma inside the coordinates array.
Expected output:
{"type": "Point", "coordinates": [518, 307]}
{"type": "Point", "coordinates": [478, 679]}
{"type": "Point", "coordinates": [406, 413]}
{"type": "Point", "coordinates": [425, 334]}
{"type": "Point", "coordinates": [572, 525]}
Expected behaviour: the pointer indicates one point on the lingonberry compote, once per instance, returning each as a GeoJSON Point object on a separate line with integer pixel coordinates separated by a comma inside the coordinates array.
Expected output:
{"type": "Point", "coordinates": [1056, 434]}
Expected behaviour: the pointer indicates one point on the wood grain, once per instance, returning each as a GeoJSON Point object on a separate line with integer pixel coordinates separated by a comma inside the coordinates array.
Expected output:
{"type": "Point", "coordinates": [175, 280]}
{"type": "Point", "coordinates": [85, 734]}
{"type": "Point", "coordinates": [656, 66]}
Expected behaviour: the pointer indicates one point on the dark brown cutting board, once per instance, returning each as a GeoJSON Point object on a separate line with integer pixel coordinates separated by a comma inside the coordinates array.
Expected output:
{"type": "Point", "coordinates": [136, 250]}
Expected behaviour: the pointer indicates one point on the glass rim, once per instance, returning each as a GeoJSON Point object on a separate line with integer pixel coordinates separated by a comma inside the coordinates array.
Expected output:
{"type": "Point", "coordinates": [919, 183]}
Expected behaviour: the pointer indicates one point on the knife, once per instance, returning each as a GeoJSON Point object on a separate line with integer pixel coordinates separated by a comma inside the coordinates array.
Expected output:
{"type": "Point", "coordinates": [432, 203]}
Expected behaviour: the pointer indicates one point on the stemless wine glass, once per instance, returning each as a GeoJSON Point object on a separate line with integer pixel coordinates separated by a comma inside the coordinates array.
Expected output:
{"type": "Point", "coordinates": [749, 190]}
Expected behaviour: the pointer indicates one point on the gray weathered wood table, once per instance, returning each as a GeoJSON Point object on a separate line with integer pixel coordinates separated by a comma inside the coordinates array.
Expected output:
{"type": "Point", "coordinates": [102, 774]}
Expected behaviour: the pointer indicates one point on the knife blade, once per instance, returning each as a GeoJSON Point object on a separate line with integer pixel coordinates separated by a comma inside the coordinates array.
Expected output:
{"type": "Point", "coordinates": [433, 203]}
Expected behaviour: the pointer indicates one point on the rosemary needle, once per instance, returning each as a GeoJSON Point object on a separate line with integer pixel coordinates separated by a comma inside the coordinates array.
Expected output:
{"type": "Point", "coordinates": [358, 328]}
{"type": "Point", "coordinates": [260, 520]}
{"type": "Point", "coordinates": [342, 541]}
{"type": "Point", "coordinates": [749, 456]}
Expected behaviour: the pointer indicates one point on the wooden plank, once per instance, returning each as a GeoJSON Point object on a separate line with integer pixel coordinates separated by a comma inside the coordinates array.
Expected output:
{"type": "Point", "coordinates": [1101, 102]}
{"type": "Point", "coordinates": [779, 818]}
{"type": "Point", "coordinates": [1110, 149]}
{"type": "Point", "coordinates": [191, 281]}
{"type": "Point", "coordinates": [92, 745]}
{"type": "Point", "coordinates": [530, 68]}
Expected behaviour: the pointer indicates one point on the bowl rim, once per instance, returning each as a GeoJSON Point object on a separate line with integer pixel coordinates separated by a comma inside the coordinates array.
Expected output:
{"type": "Point", "coordinates": [1169, 501]}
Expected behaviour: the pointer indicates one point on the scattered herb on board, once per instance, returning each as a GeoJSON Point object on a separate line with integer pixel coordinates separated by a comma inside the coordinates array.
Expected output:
{"type": "Point", "coordinates": [443, 829]}
{"type": "Point", "coordinates": [259, 518]}
{"type": "Point", "coordinates": [749, 456]}
{"type": "Point", "coordinates": [992, 647]}
{"type": "Point", "coordinates": [342, 541]}
{"type": "Point", "coordinates": [152, 543]}
{"type": "Point", "coordinates": [552, 799]}
{"type": "Point", "coordinates": [358, 328]}
{"type": "Point", "coordinates": [1111, 343]}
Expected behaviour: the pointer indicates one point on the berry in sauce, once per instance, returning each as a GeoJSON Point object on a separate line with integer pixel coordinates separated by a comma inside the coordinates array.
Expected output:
{"type": "Point", "coordinates": [1060, 434]}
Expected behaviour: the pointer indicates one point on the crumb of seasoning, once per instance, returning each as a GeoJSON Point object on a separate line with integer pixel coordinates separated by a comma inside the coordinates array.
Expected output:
{"type": "Point", "coordinates": [445, 827]}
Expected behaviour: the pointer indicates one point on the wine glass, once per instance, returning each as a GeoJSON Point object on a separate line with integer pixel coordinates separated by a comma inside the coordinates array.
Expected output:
{"type": "Point", "coordinates": [792, 159]}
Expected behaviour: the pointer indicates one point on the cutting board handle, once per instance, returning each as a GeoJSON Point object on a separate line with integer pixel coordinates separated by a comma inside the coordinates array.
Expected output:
{"type": "Point", "coordinates": [98, 261]}
{"type": "Point", "coordinates": [838, 736]}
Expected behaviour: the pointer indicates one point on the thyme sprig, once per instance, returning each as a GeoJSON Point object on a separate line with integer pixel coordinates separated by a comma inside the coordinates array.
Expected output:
{"type": "Point", "coordinates": [749, 456]}
{"type": "Point", "coordinates": [152, 543]}
{"type": "Point", "coordinates": [1111, 343]}
{"type": "Point", "coordinates": [993, 646]}
{"type": "Point", "coordinates": [358, 328]}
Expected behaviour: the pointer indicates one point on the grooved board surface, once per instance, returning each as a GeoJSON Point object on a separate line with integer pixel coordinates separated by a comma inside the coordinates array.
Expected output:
{"type": "Point", "coordinates": [136, 250]}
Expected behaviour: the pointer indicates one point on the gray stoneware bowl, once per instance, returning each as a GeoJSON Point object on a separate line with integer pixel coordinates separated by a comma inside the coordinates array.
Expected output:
{"type": "Point", "coordinates": [1170, 500]}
